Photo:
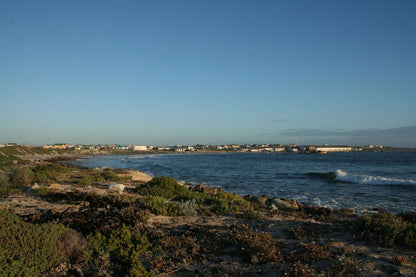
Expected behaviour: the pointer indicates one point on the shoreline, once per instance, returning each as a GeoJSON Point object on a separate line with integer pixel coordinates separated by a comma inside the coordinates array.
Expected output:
{"type": "Point", "coordinates": [324, 179]}
{"type": "Point", "coordinates": [199, 230]}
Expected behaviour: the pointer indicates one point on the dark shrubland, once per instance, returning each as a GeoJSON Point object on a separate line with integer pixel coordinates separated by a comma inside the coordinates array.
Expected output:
{"type": "Point", "coordinates": [386, 230]}
{"type": "Point", "coordinates": [161, 189]}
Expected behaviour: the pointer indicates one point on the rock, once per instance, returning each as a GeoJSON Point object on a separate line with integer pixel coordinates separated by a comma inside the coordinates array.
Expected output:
{"type": "Point", "coordinates": [35, 186]}
{"type": "Point", "coordinates": [135, 175]}
{"type": "Point", "coordinates": [116, 187]}
{"type": "Point", "coordinates": [56, 186]}
{"type": "Point", "coordinates": [346, 211]}
{"type": "Point", "coordinates": [210, 190]}
{"type": "Point", "coordinates": [289, 204]}
{"type": "Point", "coordinates": [201, 186]}
{"type": "Point", "coordinates": [261, 201]}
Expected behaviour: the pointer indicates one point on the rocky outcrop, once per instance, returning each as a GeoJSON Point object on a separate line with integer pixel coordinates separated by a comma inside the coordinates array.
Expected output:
{"type": "Point", "coordinates": [285, 204]}
{"type": "Point", "coordinates": [116, 187]}
{"type": "Point", "coordinates": [135, 175]}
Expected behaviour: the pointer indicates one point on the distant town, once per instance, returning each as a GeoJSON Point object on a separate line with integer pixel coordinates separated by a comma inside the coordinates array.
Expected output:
{"type": "Point", "coordinates": [244, 148]}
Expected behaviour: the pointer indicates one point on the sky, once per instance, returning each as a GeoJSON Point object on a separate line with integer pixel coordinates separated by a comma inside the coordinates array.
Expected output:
{"type": "Point", "coordinates": [208, 72]}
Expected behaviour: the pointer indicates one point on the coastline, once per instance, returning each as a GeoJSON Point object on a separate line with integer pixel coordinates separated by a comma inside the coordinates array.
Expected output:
{"type": "Point", "coordinates": [200, 230]}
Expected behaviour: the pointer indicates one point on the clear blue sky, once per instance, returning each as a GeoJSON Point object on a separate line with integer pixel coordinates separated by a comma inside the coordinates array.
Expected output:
{"type": "Point", "coordinates": [211, 72]}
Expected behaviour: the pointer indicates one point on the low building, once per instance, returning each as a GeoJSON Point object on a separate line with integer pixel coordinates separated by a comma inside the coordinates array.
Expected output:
{"type": "Point", "coordinates": [140, 148]}
{"type": "Point", "coordinates": [333, 149]}
{"type": "Point", "coordinates": [12, 144]}
{"type": "Point", "coordinates": [61, 146]}
{"type": "Point", "coordinates": [122, 147]}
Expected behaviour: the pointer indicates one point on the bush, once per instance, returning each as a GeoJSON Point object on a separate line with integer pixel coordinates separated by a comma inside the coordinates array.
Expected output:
{"type": "Point", "coordinates": [85, 181]}
{"type": "Point", "coordinates": [386, 230]}
{"type": "Point", "coordinates": [21, 176]}
{"type": "Point", "coordinates": [4, 187]}
{"type": "Point", "coordinates": [160, 206]}
{"type": "Point", "coordinates": [29, 249]}
{"type": "Point", "coordinates": [122, 247]}
{"type": "Point", "coordinates": [188, 208]}
{"type": "Point", "coordinates": [258, 247]}
{"type": "Point", "coordinates": [42, 191]}
{"type": "Point", "coordinates": [169, 188]}
{"type": "Point", "coordinates": [49, 172]}
{"type": "Point", "coordinates": [163, 186]}
{"type": "Point", "coordinates": [108, 175]}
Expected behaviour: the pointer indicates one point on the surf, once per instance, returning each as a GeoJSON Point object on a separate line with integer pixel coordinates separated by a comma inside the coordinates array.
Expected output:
{"type": "Point", "coordinates": [345, 177]}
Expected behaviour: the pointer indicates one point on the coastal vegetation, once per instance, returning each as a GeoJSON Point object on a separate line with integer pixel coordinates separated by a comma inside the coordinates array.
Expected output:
{"type": "Point", "coordinates": [73, 224]}
{"type": "Point", "coordinates": [386, 230]}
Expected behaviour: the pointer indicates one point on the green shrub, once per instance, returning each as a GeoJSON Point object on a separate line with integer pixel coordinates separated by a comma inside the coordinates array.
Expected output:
{"type": "Point", "coordinates": [21, 176]}
{"type": "Point", "coordinates": [188, 208]}
{"type": "Point", "coordinates": [122, 247]}
{"type": "Point", "coordinates": [160, 206]}
{"type": "Point", "coordinates": [49, 172]}
{"type": "Point", "coordinates": [169, 188]}
{"type": "Point", "coordinates": [108, 175]}
{"type": "Point", "coordinates": [84, 181]}
{"type": "Point", "coordinates": [8, 160]}
{"type": "Point", "coordinates": [42, 191]}
{"type": "Point", "coordinates": [386, 230]}
{"type": "Point", "coordinates": [231, 203]}
{"type": "Point", "coordinates": [29, 249]}
{"type": "Point", "coordinates": [258, 247]}
{"type": "Point", "coordinates": [163, 186]}
{"type": "Point", "coordinates": [4, 187]}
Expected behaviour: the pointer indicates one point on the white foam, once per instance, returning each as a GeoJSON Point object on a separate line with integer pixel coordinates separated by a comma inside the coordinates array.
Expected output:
{"type": "Point", "coordinates": [371, 180]}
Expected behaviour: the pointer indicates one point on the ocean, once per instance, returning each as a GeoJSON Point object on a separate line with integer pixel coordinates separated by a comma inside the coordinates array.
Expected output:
{"type": "Point", "coordinates": [363, 181]}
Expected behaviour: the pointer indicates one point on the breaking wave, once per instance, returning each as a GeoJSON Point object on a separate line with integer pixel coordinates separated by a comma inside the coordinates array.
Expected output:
{"type": "Point", "coordinates": [342, 176]}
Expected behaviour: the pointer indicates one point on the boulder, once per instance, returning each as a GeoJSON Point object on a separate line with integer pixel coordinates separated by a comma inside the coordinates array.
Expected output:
{"type": "Point", "coordinates": [210, 190]}
{"type": "Point", "coordinates": [56, 186]}
{"type": "Point", "coordinates": [261, 201]}
{"type": "Point", "coordinates": [135, 175]}
{"type": "Point", "coordinates": [35, 186]}
{"type": "Point", "coordinates": [116, 187]}
{"type": "Point", "coordinates": [288, 204]}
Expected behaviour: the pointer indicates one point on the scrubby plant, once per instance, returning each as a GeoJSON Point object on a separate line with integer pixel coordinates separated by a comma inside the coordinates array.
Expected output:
{"type": "Point", "coordinates": [409, 217]}
{"type": "Point", "coordinates": [120, 250]}
{"type": "Point", "coordinates": [4, 187]}
{"type": "Point", "coordinates": [84, 181]}
{"type": "Point", "coordinates": [313, 252]}
{"type": "Point", "coordinates": [21, 176]}
{"type": "Point", "coordinates": [42, 191]}
{"type": "Point", "coordinates": [188, 208]}
{"type": "Point", "coordinates": [386, 230]}
{"type": "Point", "coordinates": [160, 206]}
{"type": "Point", "coordinates": [29, 249]}
{"type": "Point", "coordinates": [163, 186]}
{"type": "Point", "coordinates": [49, 172]}
{"type": "Point", "coordinates": [169, 188]}
{"type": "Point", "coordinates": [399, 260]}
{"type": "Point", "coordinates": [258, 247]}
{"type": "Point", "coordinates": [8, 160]}
{"type": "Point", "coordinates": [108, 175]}
{"type": "Point", "coordinates": [227, 203]}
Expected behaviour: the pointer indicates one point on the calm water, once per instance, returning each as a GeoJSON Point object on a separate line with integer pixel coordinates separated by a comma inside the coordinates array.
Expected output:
{"type": "Point", "coordinates": [362, 181]}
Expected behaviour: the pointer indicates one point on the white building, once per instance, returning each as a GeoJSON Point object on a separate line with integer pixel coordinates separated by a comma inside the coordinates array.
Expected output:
{"type": "Point", "coordinates": [140, 148]}
{"type": "Point", "coordinates": [334, 149]}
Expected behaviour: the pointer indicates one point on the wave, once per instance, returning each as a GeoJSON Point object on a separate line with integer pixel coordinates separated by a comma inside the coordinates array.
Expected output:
{"type": "Point", "coordinates": [342, 176]}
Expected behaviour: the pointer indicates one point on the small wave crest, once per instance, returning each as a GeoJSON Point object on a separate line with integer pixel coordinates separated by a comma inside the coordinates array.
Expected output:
{"type": "Point", "coordinates": [342, 176]}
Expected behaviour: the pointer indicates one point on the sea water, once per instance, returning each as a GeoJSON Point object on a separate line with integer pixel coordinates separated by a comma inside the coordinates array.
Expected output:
{"type": "Point", "coordinates": [363, 181]}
